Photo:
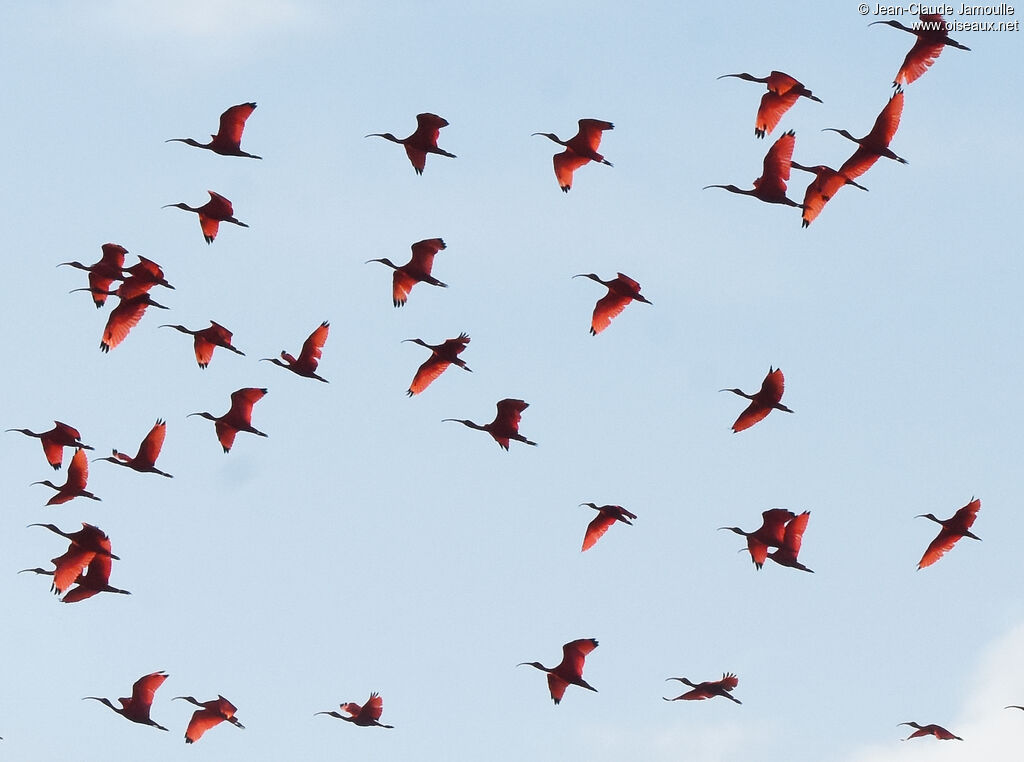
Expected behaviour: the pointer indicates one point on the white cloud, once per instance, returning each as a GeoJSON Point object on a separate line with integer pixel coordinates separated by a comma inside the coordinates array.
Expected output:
{"type": "Point", "coordinates": [990, 732]}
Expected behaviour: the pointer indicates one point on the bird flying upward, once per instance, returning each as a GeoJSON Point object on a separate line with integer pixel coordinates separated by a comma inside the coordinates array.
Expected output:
{"type": "Point", "coordinates": [215, 211]}
{"type": "Point", "coordinates": [229, 136]}
{"type": "Point", "coordinates": [441, 356]}
{"type": "Point", "coordinates": [309, 358]}
{"type": "Point", "coordinates": [569, 671]}
{"type": "Point", "coordinates": [621, 291]}
{"type": "Point", "coordinates": [770, 187]}
{"type": "Point", "coordinates": [416, 270]}
{"type": "Point", "coordinates": [606, 516]}
{"type": "Point", "coordinates": [366, 715]}
{"type": "Point", "coordinates": [421, 142]}
{"type": "Point", "coordinates": [768, 398]}
{"type": "Point", "coordinates": [783, 92]}
{"type": "Point", "coordinates": [932, 36]}
{"type": "Point", "coordinates": [956, 526]}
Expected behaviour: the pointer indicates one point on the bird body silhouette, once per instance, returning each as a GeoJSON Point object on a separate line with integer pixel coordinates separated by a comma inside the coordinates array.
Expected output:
{"type": "Point", "coordinates": [932, 36]}
{"type": "Point", "coordinates": [505, 425]}
{"type": "Point", "coordinates": [55, 440]}
{"type": "Point", "coordinates": [569, 671]}
{"type": "Point", "coordinates": [580, 149]}
{"type": "Point", "coordinates": [74, 485]}
{"type": "Point", "coordinates": [416, 270]}
{"type": "Point", "coordinates": [209, 714]}
{"type": "Point", "coordinates": [103, 272]}
{"type": "Point", "coordinates": [875, 144]}
{"type": "Point", "coordinates": [441, 356]}
{"type": "Point", "coordinates": [149, 450]}
{"type": "Point", "coordinates": [621, 291]}
{"type": "Point", "coordinates": [205, 340]}
{"type": "Point", "coordinates": [238, 418]}
{"type": "Point", "coordinates": [793, 538]}
{"type": "Point", "coordinates": [956, 526]}
{"type": "Point", "coordinates": [365, 715]}
{"type": "Point", "coordinates": [770, 534]}
{"type": "Point", "coordinates": [137, 707]}
{"type": "Point", "coordinates": [229, 136]}
{"type": "Point", "coordinates": [306, 363]}
{"type": "Point", "coordinates": [421, 142]}
{"type": "Point", "coordinates": [783, 92]}
{"type": "Point", "coordinates": [768, 398]}
{"type": "Point", "coordinates": [708, 689]}
{"type": "Point", "coordinates": [606, 516]}
{"type": "Point", "coordinates": [930, 730]}
{"type": "Point", "coordinates": [822, 188]}
{"type": "Point", "coordinates": [770, 187]}
{"type": "Point", "coordinates": [215, 211]}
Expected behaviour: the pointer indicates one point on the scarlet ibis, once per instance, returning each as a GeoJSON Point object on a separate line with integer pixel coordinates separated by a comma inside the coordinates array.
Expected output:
{"type": "Point", "coordinates": [823, 187]}
{"type": "Point", "coordinates": [238, 418]}
{"type": "Point", "coordinates": [579, 149]}
{"type": "Point", "coordinates": [95, 580]}
{"type": "Point", "coordinates": [67, 567]}
{"type": "Point", "coordinates": [783, 92]}
{"type": "Point", "coordinates": [125, 316]}
{"type": "Point", "coordinates": [416, 270]}
{"type": "Point", "coordinates": [422, 141]}
{"type": "Point", "coordinates": [769, 535]}
{"type": "Point", "coordinates": [762, 403]}
{"type": "Point", "coordinates": [367, 715]}
{"type": "Point", "coordinates": [205, 340]}
{"type": "Point", "coordinates": [793, 538]}
{"type": "Point", "coordinates": [149, 450]}
{"type": "Point", "coordinates": [137, 707]}
{"type": "Point", "coordinates": [74, 486]}
{"type": "Point", "coordinates": [146, 273]}
{"type": "Point", "coordinates": [505, 425]}
{"type": "Point", "coordinates": [309, 357]}
{"type": "Point", "coordinates": [930, 730]}
{"type": "Point", "coordinates": [875, 144]}
{"type": "Point", "coordinates": [226, 141]}
{"type": "Point", "coordinates": [932, 35]}
{"type": "Point", "coordinates": [209, 714]}
{"type": "Point", "coordinates": [441, 356]}
{"type": "Point", "coordinates": [770, 187]}
{"type": "Point", "coordinates": [621, 291]}
{"type": "Point", "coordinates": [89, 537]}
{"type": "Point", "coordinates": [569, 671]}
{"type": "Point", "coordinates": [55, 440]}
{"type": "Point", "coordinates": [215, 211]}
{"type": "Point", "coordinates": [956, 526]}
{"type": "Point", "coordinates": [103, 272]}
{"type": "Point", "coordinates": [708, 689]}
{"type": "Point", "coordinates": [606, 516]}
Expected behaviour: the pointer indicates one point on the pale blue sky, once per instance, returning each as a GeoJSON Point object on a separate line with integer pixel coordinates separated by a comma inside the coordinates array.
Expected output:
{"type": "Point", "coordinates": [366, 546]}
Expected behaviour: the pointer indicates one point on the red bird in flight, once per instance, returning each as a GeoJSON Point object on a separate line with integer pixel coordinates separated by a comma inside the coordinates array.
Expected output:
{"type": "Point", "coordinates": [74, 486]}
{"type": "Point", "coordinates": [930, 730]}
{"type": "Point", "coordinates": [215, 211]}
{"type": "Point", "coordinates": [442, 355]}
{"type": "Point", "coordinates": [125, 316]}
{"type": "Point", "coordinates": [606, 516]}
{"type": "Point", "coordinates": [932, 36]}
{"type": "Point", "coordinates": [823, 187]}
{"type": "Point", "coordinates": [205, 340]}
{"type": "Point", "coordinates": [708, 689]}
{"type": "Point", "coordinates": [783, 92]}
{"type": "Point", "coordinates": [770, 187]}
{"type": "Point", "coordinates": [505, 425]}
{"type": "Point", "coordinates": [149, 451]}
{"type": "Point", "coordinates": [209, 714]}
{"type": "Point", "coordinates": [579, 150]}
{"type": "Point", "coordinates": [875, 144]}
{"type": "Point", "coordinates": [956, 526]}
{"type": "Point", "coordinates": [421, 142]}
{"type": "Point", "coordinates": [103, 272]}
{"type": "Point", "coordinates": [229, 136]}
{"type": "Point", "coordinates": [366, 715]}
{"type": "Point", "coordinates": [309, 358]}
{"type": "Point", "coordinates": [793, 538]}
{"type": "Point", "coordinates": [136, 708]}
{"type": "Point", "coordinates": [238, 418]}
{"type": "Point", "coordinates": [55, 440]}
{"type": "Point", "coordinates": [416, 270]}
{"type": "Point", "coordinates": [767, 399]}
{"type": "Point", "coordinates": [621, 291]}
{"type": "Point", "coordinates": [770, 534]}
{"type": "Point", "coordinates": [569, 671]}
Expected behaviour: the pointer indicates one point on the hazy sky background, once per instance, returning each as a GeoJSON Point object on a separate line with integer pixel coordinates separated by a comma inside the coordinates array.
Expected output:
{"type": "Point", "coordinates": [366, 546]}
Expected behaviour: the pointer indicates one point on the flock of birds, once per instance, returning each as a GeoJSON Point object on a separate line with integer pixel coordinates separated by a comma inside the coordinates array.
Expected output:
{"type": "Point", "coordinates": [83, 570]}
